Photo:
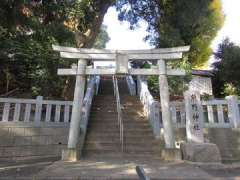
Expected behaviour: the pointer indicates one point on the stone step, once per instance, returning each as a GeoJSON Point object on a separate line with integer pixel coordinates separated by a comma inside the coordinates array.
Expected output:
{"type": "Point", "coordinates": [112, 117]}
{"type": "Point", "coordinates": [110, 122]}
{"type": "Point", "coordinates": [114, 125]}
{"type": "Point", "coordinates": [103, 109]}
{"type": "Point", "coordinates": [118, 154]}
{"type": "Point", "coordinates": [136, 118]}
{"type": "Point", "coordinates": [113, 109]}
{"type": "Point", "coordinates": [103, 120]}
{"type": "Point", "coordinates": [129, 115]}
{"type": "Point", "coordinates": [128, 139]}
{"type": "Point", "coordinates": [132, 108]}
{"type": "Point", "coordinates": [126, 149]}
{"type": "Point", "coordinates": [116, 130]}
{"type": "Point", "coordinates": [133, 113]}
{"type": "Point", "coordinates": [121, 156]}
{"type": "Point", "coordinates": [126, 131]}
{"type": "Point", "coordinates": [104, 101]}
{"type": "Point", "coordinates": [114, 122]}
{"type": "Point", "coordinates": [113, 101]}
{"type": "Point", "coordinates": [103, 114]}
{"type": "Point", "coordinates": [127, 96]}
{"type": "Point", "coordinates": [93, 138]}
{"type": "Point", "coordinates": [136, 135]}
{"type": "Point", "coordinates": [108, 115]}
{"type": "Point", "coordinates": [113, 147]}
{"type": "Point", "coordinates": [102, 138]}
{"type": "Point", "coordinates": [130, 144]}
{"type": "Point", "coordinates": [113, 106]}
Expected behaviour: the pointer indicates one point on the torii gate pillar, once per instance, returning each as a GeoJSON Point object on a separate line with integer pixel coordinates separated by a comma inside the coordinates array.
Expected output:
{"type": "Point", "coordinates": [71, 153]}
{"type": "Point", "coordinates": [169, 136]}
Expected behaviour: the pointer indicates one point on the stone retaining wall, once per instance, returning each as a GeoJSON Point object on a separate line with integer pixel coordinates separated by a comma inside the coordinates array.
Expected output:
{"type": "Point", "coordinates": [18, 142]}
{"type": "Point", "coordinates": [227, 140]}
{"type": "Point", "coordinates": [29, 141]}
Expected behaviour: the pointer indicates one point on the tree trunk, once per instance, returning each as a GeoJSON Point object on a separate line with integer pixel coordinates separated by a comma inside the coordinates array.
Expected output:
{"type": "Point", "coordinates": [86, 40]}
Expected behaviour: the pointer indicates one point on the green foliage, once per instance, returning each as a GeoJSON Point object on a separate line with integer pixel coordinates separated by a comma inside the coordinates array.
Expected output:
{"type": "Point", "coordinates": [177, 85]}
{"type": "Point", "coordinates": [175, 23]}
{"type": "Point", "coordinates": [227, 65]}
{"type": "Point", "coordinates": [229, 89]}
{"type": "Point", "coordinates": [27, 31]}
{"type": "Point", "coordinates": [102, 38]}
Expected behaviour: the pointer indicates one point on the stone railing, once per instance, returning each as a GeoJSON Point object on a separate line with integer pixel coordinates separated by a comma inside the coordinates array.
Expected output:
{"type": "Point", "coordinates": [34, 111]}
{"type": "Point", "coordinates": [150, 106]}
{"type": "Point", "coordinates": [39, 128]}
{"type": "Point", "coordinates": [217, 113]}
{"type": "Point", "coordinates": [38, 112]}
{"type": "Point", "coordinates": [97, 82]}
{"type": "Point", "coordinates": [92, 88]}
{"type": "Point", "coordinates": [131, 85]}
{"type": "Point", "coordinates": [178, 115]}
{"type": "Point", "coordinates": [224, 113]}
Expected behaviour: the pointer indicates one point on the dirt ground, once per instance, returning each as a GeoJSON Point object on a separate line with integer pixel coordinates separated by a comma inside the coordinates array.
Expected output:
{"type": "Point", "coordinates": [115, 169]}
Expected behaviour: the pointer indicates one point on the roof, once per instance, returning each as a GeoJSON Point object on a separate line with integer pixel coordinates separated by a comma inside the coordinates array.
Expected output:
{"type": "Point", "coordinates": [206, 73]}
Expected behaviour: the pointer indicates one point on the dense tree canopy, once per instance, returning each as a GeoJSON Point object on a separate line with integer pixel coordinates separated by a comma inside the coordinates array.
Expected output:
{"type": "Point", "coordinates": [227, 74]}
{"type": "Point", "coordinates": [27, 31]}
{"type": "Point", "coordinates": [175, 23]}
{"type": "Point", "coordinates": [28, 28]}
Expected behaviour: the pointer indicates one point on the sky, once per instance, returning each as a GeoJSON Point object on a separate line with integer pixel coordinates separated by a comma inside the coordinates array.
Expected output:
{"type": "Point", "coordinates": [231, 27]}
{"type": "Point", "coordinates": [123, 38]}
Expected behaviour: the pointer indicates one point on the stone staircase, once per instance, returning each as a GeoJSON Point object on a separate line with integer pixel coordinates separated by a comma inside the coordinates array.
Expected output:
{"type": "Point", "coordinates": [102, 139]}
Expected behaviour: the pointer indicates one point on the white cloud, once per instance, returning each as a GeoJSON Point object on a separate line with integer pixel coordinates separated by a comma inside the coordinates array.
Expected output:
{"type": "Point", "coordinates": [121, 36]}
{"type": "Point", "coordinates": [231, 26]}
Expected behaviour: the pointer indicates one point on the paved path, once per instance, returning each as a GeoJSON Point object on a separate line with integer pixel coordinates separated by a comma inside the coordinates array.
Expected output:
{"type": "Point", "coordinates": [115, 169]}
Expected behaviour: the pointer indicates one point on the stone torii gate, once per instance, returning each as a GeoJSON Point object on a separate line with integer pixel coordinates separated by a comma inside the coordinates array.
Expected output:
{"type": "Point", "coordinates": [122, 58]}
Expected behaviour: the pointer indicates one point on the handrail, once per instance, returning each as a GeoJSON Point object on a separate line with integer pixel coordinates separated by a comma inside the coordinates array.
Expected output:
{"type": "Point", "coordinates": [150, 106]}
{"type": "Point", "coordinates": [92, 86]}
{"type": "Point", "coordinates": [119, 111]}
{"type": "Point", "coordinates": [131, 85]}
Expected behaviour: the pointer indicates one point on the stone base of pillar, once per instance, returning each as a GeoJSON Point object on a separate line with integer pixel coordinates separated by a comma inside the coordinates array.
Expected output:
{"type": "Point", "coordinates": [201, 152]}
{"type": "Point", "coordinates": [70, 155]}
{"type": "Point", "coordinates": [172, 154]}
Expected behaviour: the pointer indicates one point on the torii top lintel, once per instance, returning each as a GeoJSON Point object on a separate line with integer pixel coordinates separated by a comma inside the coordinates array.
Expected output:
{"type": "Point", "coordinates": [109, 55]}
{"type": "Point", "coordinates": [121, 57]}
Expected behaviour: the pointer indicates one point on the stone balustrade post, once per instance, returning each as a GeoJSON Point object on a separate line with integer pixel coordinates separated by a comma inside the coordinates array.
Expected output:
{"type": "Point", "coordinates": [156, 119]}
{"type": "Point", "coordinates": [38, 110]}
{"type": "Point", "coordinates": [233, 111]}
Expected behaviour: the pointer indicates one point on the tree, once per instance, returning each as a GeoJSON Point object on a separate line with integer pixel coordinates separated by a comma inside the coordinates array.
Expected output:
{"type": "Point", "coordinates": [226, 67]}
{"type": "Point", "coordinates": [85, 19]}
{"type": "Point", "coordinates": [176, 23]}
{"type": "Point", "coordinates": [102, 38]}
{"type": "Point", "coordinates": [27, 31]}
